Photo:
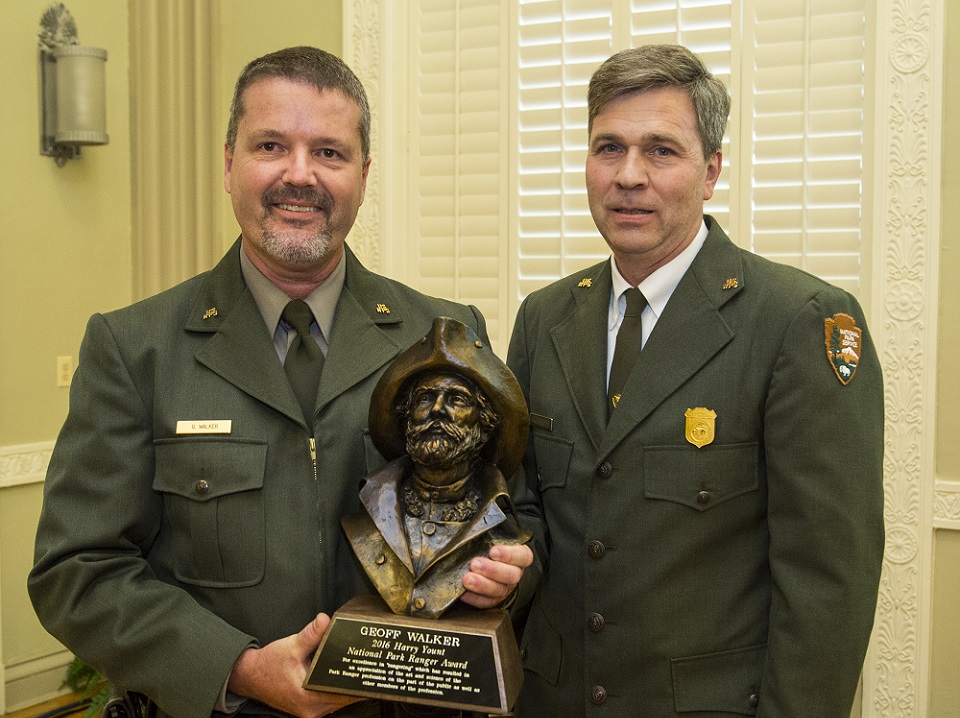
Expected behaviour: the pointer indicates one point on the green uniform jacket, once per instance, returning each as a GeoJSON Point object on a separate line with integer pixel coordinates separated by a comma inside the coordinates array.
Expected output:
{"type": "Point", "coordinates": [160, 555]}
{"type": "Point", "coordinates": [739, 578]}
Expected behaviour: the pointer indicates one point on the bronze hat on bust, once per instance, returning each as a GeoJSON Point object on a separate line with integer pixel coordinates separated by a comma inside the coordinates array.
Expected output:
{"type": "Point", "coordinates": [451, 346]}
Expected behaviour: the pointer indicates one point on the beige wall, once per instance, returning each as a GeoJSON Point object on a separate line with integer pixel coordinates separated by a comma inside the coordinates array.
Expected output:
{"type": "Point", "coordinates": [945, 655]}
{"type": "Point", "coordinates": [65, 230]}
{"type": "Point", "coordinates": [64, 254]}
{"type": "Point", "coordinates": [945, 652]}
{"type": "Point", "coordinates": [948, 371]}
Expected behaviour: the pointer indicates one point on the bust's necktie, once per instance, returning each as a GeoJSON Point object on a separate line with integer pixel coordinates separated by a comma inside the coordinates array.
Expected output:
{"type": "Point", "coordinates": [304, 361]}
{"type": "Point", "coordinates": [629, 343]}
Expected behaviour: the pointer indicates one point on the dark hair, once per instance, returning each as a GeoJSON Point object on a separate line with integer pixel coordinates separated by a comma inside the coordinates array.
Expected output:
{"type": "Point", "coordinates": [310, 66]}
{"type": "Point", "coordinates": [650, 67]}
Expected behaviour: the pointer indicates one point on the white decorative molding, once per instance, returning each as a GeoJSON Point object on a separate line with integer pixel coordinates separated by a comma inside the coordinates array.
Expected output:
{"type": "Point", "coordinates": [906, 229]}
{"type": "Point", "coordinates": [40, 664]}
{"type": "Point", "coordinates": [32, 681]}
{"type": "Point", "coordinates": [362, 43]}
{"type": "Point", "coordinates": [946, 505]}
{"type": "Point", "coordinates": [24, 464]}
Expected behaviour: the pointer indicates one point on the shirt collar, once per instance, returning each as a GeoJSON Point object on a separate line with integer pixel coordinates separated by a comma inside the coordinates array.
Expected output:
{"type": "Point", "coordinates": [658, 287]}
{"type": "Point", "coordinates": [271, 299]}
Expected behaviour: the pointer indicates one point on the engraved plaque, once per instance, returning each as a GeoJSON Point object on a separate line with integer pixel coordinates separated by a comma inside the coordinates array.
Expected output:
{"type": "Point", "coordinates": [468, 660]}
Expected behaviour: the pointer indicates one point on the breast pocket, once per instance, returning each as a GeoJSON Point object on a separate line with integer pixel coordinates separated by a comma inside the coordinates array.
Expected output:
{"type": "Point", "coordinates": [213, 525]}
{"type": "Point", "coordinates": [700, 478]}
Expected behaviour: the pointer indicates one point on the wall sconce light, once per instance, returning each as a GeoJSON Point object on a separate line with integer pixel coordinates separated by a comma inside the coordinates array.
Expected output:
{"type": "Point", "coordinates": [73, 106]}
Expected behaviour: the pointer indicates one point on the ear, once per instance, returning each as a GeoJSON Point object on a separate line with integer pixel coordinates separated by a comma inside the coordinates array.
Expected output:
{"type": "Point", "coordinates": [227, 166]}
{"type": "Point", "coordinates": [714, 163]}
{"type": "Point", "coordinates": [363, 179]}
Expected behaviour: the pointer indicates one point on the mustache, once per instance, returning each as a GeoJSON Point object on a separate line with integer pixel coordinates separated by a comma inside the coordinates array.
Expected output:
{"type": "Point", "coordinates": [449, 429]}
{"type": "Point", "coordinates": [308, 195]}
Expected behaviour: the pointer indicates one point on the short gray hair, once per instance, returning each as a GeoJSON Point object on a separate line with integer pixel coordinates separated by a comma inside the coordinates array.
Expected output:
{"type": "Point", "coordinates": [650, 67]}
{"type": "Point", "coordinates": [310, 66]}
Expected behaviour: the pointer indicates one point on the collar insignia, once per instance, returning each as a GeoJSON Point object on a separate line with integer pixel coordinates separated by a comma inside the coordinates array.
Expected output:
{"type": "Point", "coordinates": [383, 309]}
{"type": "Point", "coordinates": [844, 342]}
{"type": "Point", "coordinates": [730, 283]}
{"type": "Point", "coordinates": [211, 312]}
{"type": "Point", "coordinates": [586, 282]}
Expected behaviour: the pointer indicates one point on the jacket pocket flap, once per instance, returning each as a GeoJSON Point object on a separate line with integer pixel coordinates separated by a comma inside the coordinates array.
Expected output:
{"type": "Point", "coordinates": [700, 478]}
{"type": "Point", "coordinates": [727, 682]}
{"type": "Point", "coordinates": [553, 459]}
{"type": "Point", "coordinates": [205, 469]}
{"type": "Point", "coordinates": [546, 658]}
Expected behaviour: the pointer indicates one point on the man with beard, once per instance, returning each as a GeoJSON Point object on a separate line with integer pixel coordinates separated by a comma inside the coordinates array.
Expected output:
{"type": "Point", "coordinates": [189, 545]}
{"type": "Point", "coordinates": [458, 414]}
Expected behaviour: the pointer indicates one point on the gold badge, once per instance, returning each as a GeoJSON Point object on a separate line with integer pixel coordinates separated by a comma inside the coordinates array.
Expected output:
{"type": "Point", "coordinates": [730, 283]}
{"type": "Point", "coordinates": [701, 423]}
{"type": "Point", "coordinates": [211, 312]}
{"type": "Point", "coordinates": [382, 309]}
{"type": "Point", "coordinates": [844, 342]}
{"type": "Point", "coordinates": [586, 282]}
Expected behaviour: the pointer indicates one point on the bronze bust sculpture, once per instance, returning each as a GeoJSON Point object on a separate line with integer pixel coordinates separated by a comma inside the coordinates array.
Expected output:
{"type": "Point", "coordinates": [452, 421]}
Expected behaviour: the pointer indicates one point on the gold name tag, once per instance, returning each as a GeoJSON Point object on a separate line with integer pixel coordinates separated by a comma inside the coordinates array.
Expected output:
{"type": "Point", "coordinates": [212, 426]}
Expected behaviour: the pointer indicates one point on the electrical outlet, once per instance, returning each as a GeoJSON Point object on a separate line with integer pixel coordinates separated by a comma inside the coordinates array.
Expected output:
{"type": "Point", "coordinates": [64, 371]}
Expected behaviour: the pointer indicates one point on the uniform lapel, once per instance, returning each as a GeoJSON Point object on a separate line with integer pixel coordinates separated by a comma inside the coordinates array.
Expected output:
{"type": "Point", "coordinates": [358, 346]}
{"type": "Point", "coordinates": [241, 349]}
{"type": "Point", "coordinates": [581, 344]}
{"type": "Point", "coordinates": [688, 334]}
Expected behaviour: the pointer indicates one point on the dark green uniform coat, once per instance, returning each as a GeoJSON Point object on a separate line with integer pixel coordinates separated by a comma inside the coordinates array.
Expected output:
{"type": "Point", "coordinates": [738, 578]}
{"type": "Point", "coordinates": [160, 555]}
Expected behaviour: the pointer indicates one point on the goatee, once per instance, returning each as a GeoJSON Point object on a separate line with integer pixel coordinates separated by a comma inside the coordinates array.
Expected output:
{"type": "Point", "coordinates": [291, 245]}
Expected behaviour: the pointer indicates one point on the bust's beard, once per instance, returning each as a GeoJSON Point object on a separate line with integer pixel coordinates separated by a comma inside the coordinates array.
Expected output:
{"type": "Point", "coordinates": [442, 450]}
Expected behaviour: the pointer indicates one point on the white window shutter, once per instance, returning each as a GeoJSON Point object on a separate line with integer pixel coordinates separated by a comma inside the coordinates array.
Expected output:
{"type": "Point", "coordinates": [457, 156]}
{"type": "Point", "coordinates": [497, 141]}
{"type": "Point", "coordinates": [806, 97]}
{"type": "Point", "coordinates": [560, 44]}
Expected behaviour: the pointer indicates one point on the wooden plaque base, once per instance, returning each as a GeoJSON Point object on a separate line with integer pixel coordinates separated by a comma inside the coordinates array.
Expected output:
{"type": "Point", "coordinates": [466, 660]}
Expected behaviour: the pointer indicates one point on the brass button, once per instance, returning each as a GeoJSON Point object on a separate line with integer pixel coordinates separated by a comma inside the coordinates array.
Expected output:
{"type": "Point", "coordinates": [429, 528]}
{"type": "Point", "coordinates": [754, 700]}
{"type": "Point", "coordinates": [703, 497]}
{"type": "Point", "coordinates": [596, 549]}
{"type": "Point", "coordinates": [380, 560]}
{"type": "Point", "coordinates": [598, 695]}
{"type": "Point", "coordinates": [596, 622]}
{"type": "Point", "coordinates": [605, 470]}
{"type": "Point", "coordinates": [418, 604]}
{"type": "Point", "coordinates": [201, 487]}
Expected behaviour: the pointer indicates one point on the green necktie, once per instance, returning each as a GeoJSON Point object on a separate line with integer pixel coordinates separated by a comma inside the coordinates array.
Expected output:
{"type": "Point", "coordinates": [629, 343]}
{"type": "Point", "coordinates": [304, 361]}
